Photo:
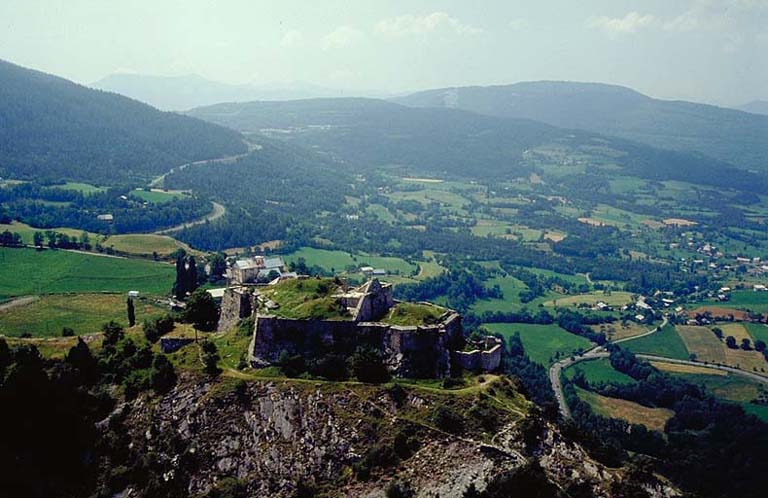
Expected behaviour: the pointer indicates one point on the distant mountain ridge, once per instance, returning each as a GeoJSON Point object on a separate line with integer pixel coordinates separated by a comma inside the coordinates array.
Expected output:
{"type": "Point", "coordinates": [729, 135]}
{"type": "Point", "coordinates": [181, 93]}
{"type": "Point", "coordinates": [371, 133]}
{"type": "Point", "coordinates": [52, 128]}
{"type": "Point", "coordinates": [755, 107]}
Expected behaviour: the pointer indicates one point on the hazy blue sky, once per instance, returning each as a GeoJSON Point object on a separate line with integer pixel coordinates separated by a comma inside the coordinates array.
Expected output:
{"type": "Point", "coordinates": [706, 50]}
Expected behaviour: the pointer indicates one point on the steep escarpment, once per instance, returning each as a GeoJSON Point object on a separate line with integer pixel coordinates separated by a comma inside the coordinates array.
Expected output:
{"type": "Point", "coordinates": [305, 438]}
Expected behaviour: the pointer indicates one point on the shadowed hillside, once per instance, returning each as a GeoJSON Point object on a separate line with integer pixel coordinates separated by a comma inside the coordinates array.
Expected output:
{"type": "Point", "coordinates": [51, 128]}
{"type": "Point", "coordinates": [728, 135]}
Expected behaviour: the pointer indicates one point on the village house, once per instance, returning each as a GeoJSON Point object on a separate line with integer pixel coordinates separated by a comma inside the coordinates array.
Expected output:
{"type": "Point", "coordinates": [251, 270]}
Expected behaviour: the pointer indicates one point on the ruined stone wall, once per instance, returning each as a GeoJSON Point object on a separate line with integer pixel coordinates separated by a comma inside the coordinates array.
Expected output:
{"type": "Point", "coordinates": [374, 305]}
{"type": "Point", "coordinates": [309, 338]}
{"type": "Point", "coordinates": [420, 352]}
{"type": "Point", "coordinates": [480, 360]}
{"type": "Point", "coordinates": [236, 304]}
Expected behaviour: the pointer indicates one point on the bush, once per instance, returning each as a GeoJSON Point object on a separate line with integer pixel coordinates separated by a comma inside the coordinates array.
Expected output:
{"type": "Point", "coordinates": [211, 358]}
{"type": "Point", "coordinates": [291, 365]}
{"type": "Point", "coordinates": [368, 366]}
{"type": "Point", "coordinates": [331, 367]}
{"type": "Point", "coordinates": [448, 420]}
{"type": "Point", "coordinates": [397, 489]}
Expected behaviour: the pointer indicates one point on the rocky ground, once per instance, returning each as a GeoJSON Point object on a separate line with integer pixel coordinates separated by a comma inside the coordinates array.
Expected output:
{"type": "Point", "coordinates": [282, 438]}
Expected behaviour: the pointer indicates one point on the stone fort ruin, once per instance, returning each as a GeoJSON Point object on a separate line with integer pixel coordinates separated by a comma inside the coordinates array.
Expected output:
{"type": "Point", "coordinates": [314, 317]}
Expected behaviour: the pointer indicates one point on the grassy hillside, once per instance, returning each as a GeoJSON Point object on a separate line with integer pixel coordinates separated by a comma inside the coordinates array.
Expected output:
{"type": "Point", "coordinates": [51, 128]}
{"type": "Point", "coordinates": [27, 271]}
{"type": "Point", "coordinates": [542, 343]}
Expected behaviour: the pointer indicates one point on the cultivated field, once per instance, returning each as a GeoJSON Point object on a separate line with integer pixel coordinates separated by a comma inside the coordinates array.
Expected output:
{"type": "Point", "coordinates": [664, 343]}
{"type": "Point", "coordinates": [144, 244]}
{"type": "Point", "coordinates": [615, 298]}
{"type": "Point", "coordinates": [677, 368]}
{"type": "Point", "coordinates": [634, 413]}
{"type": "Point", "coordinates": [702, 342]}
{"type": "Point", "coordinates": [615, 331]}
{"type": "Point", "coordinates": [542, 343]}
{"type": "Point", "coordinates": [27, 271]}
{"type": "Point", "coordinates": [27, 232]}
{"type": "Point", "coordinates": [339, 260]}
{"type": "Point", "coordinates": [737, 330]}
{"type": "Point", "coordinates": [599, 370]}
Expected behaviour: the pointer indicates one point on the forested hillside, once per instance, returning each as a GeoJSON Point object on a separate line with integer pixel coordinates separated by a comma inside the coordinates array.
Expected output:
{"type": "Point", "coordinates": [51, 128]}
{"type": "Point", "coordinates": [729, 135]}
{"type": "Point", "coordinates": [368, 133]}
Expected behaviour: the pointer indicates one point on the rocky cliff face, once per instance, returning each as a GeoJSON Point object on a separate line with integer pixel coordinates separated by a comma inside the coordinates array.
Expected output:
{"type": "Point", "coordinates": [284, 438]}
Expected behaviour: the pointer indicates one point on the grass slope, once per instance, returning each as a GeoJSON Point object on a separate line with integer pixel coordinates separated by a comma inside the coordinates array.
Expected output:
{"type": "Point", "coordinates": [542, 342]}
{"type": "Point", "coordinates": [84, 313]}
{"type": "Point", "coordinates": [27, 271]}
{"type": "Point", "coordinates": [666, 342]}
{"type": "Point", "coordinates": [597, 371]}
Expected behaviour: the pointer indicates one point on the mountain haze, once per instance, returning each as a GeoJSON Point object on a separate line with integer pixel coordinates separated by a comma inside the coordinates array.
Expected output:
{"type": "Point", "coordinates": [179, 93]}
{"type": "Point", "coordinates": [53, 128]}
{"type": "Point", "coordinates": [728, 135]}
{"type": "Point", "coordinates": [755, 107]}
{"type": "Point", "coordinates": [370, 133]}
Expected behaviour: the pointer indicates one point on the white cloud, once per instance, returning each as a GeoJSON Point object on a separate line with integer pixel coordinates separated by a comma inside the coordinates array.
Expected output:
{"type": "Point", "coordinates": [341, 37]}
{"type": "Point", "coordinates": [292, 38]}
{"type": "Point", "coordinates": [630, 23]}
{"type": "Point", "coordinates": [415, 25]}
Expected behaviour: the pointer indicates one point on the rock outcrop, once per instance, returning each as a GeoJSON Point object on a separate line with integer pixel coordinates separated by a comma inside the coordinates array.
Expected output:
{"type": "Point", "coordinates": [271, 437]}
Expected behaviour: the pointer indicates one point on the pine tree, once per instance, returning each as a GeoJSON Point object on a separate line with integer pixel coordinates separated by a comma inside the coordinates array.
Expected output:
{"type": "Point", "coordinates": [131, 313]}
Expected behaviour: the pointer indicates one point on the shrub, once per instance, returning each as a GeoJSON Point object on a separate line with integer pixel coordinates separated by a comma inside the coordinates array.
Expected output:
{"type": "Point", "coordinates": [368, 366]}
{"type": "Point", "coordinates": [448, 420]}
{"type": "Point", "coordinates": [291, 365]}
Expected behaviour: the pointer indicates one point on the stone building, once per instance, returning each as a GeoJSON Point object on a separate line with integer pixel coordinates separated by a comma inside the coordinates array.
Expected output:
{"type": "Point", "coordinates": [423, 350]}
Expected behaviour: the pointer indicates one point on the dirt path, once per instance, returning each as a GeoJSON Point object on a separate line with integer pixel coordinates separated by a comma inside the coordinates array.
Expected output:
{"type": "Point", "coordinates": [19, 301]}
{"type": "Point", "coordinates": [217, 212]}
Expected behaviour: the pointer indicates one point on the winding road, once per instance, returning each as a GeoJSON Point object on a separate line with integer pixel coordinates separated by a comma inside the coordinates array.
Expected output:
{"type": "Point", "coordinates": [218, 211]}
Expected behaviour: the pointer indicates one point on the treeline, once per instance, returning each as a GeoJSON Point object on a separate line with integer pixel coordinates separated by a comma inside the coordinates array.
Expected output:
{"type": "Point", "coordinates": [48, 207]}
{"type": "Point", "coordinates": [10, 239]}
{"type": "Point", "coordinates": [709, 447]}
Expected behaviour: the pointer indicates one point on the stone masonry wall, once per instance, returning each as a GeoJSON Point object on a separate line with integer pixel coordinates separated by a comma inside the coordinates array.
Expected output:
{"type": "Point", "coordinates": [421, 352]}
{"type": "Point", "coordinates": [236, 304]}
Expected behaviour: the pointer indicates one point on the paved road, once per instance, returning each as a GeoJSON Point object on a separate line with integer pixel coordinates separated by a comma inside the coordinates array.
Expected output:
{"type": "Point", "coordinates": [158, 182]}
{"type": "Point", "coordinates": [217, 212]}
{"type": "Point", "coordinates": [592, 354]}
{"type": "Point", "coordinates": [750, 375]}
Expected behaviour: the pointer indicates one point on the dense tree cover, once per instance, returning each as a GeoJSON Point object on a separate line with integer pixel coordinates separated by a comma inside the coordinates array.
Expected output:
{"type": "Point", "coordinates": [51, 446]}
{"type": "Point", "coordinates": [50, 206]}
{"type": "Point", "coordinates": [460, 289]}
{"type": "Point", "coordinates": [53, 128]}
{"type": "Point", "coordinates": [274, 192]}
{"type": "Point", "coordinates": [533, 377]}
{"type": "Point", "coordinates": [377, 133]}
{"type": "Point", "coordinates": [186, 275]}
{"type": "Point", "coordinates": [711, 447]}
{"type": "Point", "coordinates": [724, 134]}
